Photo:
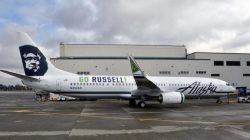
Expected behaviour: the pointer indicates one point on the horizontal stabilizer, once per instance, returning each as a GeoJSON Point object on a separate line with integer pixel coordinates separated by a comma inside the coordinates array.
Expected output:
{"type": "Point", "coordinates": [20, 76]}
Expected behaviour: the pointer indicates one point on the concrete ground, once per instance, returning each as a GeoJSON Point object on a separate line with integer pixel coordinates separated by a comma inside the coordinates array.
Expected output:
{"type": "Point", "coordinates": [22, 117]}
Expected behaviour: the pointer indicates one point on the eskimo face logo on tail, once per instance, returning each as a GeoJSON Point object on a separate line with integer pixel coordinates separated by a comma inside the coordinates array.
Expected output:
{"type": "Point", "coordinates": [34, 62]}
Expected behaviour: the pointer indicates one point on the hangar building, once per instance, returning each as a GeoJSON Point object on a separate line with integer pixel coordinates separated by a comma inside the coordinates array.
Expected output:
{"type": "Point", "coordinates": [155, 60]}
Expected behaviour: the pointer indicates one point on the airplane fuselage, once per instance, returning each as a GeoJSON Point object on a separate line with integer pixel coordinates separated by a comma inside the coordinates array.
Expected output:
{"type": "Point", "coordinates": [123, 86]}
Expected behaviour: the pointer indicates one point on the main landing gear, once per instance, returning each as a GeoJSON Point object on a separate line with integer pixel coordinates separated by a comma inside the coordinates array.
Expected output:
{"type": "Point", "coordinates": [132, 102]}
{"type": "Point", "coordinates": [42, 97]}
{"type": "Point", "coordinates": [140, 103]}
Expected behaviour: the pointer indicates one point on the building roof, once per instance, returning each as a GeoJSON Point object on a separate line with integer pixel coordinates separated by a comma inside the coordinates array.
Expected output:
{"type": "Point", "coordinates": [115, 45]}
{"type": "Point", "coordinates": [218, 53]}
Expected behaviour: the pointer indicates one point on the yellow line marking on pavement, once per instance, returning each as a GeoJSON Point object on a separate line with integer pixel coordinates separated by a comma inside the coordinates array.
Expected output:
{"type": "Point", "coordinates": [150, 119]}
{"type": "Point", "coordinates": [92, 113]}
{"type": "Point", "coordinates": [178, 121]}
{"type": "Point", "coordinates": [19, 121]}
{"type": "Point", "coordinates": [95, 132]}
{"type": "Point", "coordinates": [156, 129]}
{"type": "Point", "coordinates": [144, 112]}
{"type": "Point", "coordinates": [34, 133]}
{"type": "Point", "coordinates": [240, 133]}
{"type": "Point", "coordinates": [50, 114]}
{"type": "Point", "coordinates": [23, 111]}
{"type": "Point", "coordinates": [107, 117]}
{"type": "Point", "coordinates": [234, 123]}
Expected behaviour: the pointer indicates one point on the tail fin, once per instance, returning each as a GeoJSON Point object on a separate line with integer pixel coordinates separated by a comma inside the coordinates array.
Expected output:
{"type": "Point", "coordinates": [34, 62]}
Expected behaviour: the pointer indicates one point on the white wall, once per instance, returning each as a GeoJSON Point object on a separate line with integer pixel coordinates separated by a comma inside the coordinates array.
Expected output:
{"type": "Point", "coordinates": [232, 74]}
{"type": "Point", "coordinates": [85, 50]}
{"type": "Point", "coordinates": [122, 67]}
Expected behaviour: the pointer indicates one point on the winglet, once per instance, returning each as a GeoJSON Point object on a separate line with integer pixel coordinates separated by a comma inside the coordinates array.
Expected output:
{"type": "Point", "coordinates": [136, 70]}
{"type": "Point", "coordinates": [142, 82]}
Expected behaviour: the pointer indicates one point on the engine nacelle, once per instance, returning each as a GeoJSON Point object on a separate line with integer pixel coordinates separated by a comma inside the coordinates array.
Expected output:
{"type": "Point", "coordinates": [172, 98]}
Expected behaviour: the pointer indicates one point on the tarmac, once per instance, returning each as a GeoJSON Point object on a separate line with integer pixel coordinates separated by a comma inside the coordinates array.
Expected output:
{"type": "Point", "coordinates": [22, 117]}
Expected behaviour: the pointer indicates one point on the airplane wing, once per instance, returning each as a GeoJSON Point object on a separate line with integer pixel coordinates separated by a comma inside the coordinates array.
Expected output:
{"type": "Point", "coordinates": [20, 76]}
{"type": "Point", "coordinates": [142, 82]}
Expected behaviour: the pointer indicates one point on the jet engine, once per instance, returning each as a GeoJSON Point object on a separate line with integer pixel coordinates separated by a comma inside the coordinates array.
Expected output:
{"type": "Point", "coordinates": [172, 98]}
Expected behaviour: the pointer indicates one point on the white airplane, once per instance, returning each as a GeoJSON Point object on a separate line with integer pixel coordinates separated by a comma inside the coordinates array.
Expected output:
{"type": "Point", "coordinates": [138, 89]}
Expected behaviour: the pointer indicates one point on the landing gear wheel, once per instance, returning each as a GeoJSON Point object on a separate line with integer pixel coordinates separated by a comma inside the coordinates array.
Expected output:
{"type": "Point", "coordinates": [160, 99]}
{"type": "Point", "coordinates": [142, 104]}
{"type": "Point", "coordinates": [219, 101]}
{"type": "Point", "coordinates": [132, 102]}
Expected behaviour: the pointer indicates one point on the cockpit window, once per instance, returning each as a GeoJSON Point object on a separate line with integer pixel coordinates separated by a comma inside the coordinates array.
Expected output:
{"type": "Point", "coordinates": [227, 84]}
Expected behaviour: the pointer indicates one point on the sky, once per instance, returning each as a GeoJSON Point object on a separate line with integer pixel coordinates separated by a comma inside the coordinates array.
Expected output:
{"type": "Point", "coordinates": [200, 25]}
